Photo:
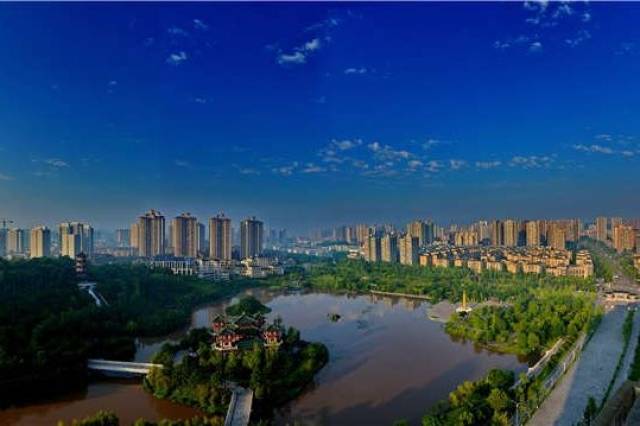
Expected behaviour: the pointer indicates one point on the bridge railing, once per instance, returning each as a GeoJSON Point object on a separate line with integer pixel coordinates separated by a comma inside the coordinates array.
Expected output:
{"type": "Point", "coordinates": [121, 366]}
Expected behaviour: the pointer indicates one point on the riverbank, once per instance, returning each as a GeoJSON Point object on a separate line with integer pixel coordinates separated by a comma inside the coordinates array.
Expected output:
{"type": "Point", "coordinates": [124, 397]}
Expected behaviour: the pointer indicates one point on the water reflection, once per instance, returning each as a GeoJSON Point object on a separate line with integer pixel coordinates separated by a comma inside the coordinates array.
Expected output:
{"type": "Point", "coordinates": [126, 398]}
{"type": "Point", "coordinates": [388, 361]}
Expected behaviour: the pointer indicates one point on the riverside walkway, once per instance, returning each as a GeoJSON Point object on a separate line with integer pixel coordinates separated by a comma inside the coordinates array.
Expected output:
{"type": "Point", "coordinates": [589, 376]}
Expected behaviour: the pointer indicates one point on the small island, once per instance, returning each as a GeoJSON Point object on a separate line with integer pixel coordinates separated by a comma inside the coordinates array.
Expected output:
{"type": "Point", "coordinates": [247, 305]}
{"type": "Point", "coordinates": [334, 317]}
{"type": "Point", "coordinates": [239, 351]}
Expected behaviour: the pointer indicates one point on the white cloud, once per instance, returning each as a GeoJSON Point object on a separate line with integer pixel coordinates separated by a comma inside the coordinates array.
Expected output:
{"type": "Point", "coordinates": [580, 37]}
{"type": "Point", "coordinates": [604, 136]}
{"type": "Point", "coordinates": [346, 144]}
{"type": "Point", "coordinates": [327, 23]}
{"type": "Point", "coordinates": [535, 47]}
{"type": "Point", "coordinates": [312, 45]}
{"type": "Point", "coordinates": [177, 31]}
{"type": "Point", "coordinates": [312, 168]}
{"type": "Point", "coordinates": [626, 48]}
{"type": "Point", "coordinates": [355, 71]}
{"type": "Point", "coordinates": [182, 163]}
{"type": "Point", "coordinates": [457, 164]}
{"type": "Point", "coordinates": [246, 170]}
{"type": "Point", "coordinates": [5, 177]}
{"type": "Point", "coordinates": [563, 9]}
{"type": "Point", "coordinates": [198, 24]}
{"type": "Point", "coordinates": [415, 164]}
{"type": "Point", "coordinates": [386, 152]}
{"type": "Point", "coordinates": [56, 162]}
{"type": "Point", "coordinates": [112, 83]}
{"type": "Point", "coordinates": [488, 164]}
{"type": "Point", "coordinates": [299, 54]}
{"type": "Point", "coordinates": [536, 5]}
{"type": "Point", "coordinates": [330, 156]}
{"type": "Point", "coordinates": [286, 170]}
{"type": "Point", "coordinates": [430, 143]}
{"type": "Point", "coordinates": [531, 162]}
{"type": "Point", "coordinates": [600, 149]}
{"type": "Point", "coordinates": [177, 58]}
{"type": "Point", "coordinates": [433, 166]}
{"type": "Point", "coordinates": [292, 58]}
{"type": "Point", "coordinates": [200, 100]}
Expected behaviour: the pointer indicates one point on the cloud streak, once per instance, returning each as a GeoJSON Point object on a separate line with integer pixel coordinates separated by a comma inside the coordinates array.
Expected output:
{"type": "Point", "coordinates": [177, 58]}
{"type": "Point", "coordinates": [300, 54]}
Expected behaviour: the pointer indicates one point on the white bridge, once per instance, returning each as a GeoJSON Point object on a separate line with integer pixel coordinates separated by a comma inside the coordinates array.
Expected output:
{"type": "Point", "coordinates": [106, 366]}
{"type": "Point", "coordinates": [90, 288]}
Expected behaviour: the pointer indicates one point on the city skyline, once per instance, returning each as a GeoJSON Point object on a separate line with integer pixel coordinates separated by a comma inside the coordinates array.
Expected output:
{"type": "Point", "coordinates": [315, 117]}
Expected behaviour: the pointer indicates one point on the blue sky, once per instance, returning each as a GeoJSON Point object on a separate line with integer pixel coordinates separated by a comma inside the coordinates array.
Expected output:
{"type": "Point", "coordinates": [317, 114]}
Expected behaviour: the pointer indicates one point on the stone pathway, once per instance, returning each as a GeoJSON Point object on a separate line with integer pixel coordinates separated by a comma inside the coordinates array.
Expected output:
{"type": "Point", "coordinates": [589, 376]}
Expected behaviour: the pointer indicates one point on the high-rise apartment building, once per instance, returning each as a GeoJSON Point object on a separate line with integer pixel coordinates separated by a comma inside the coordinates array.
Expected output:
{"type": "Point", "coordinates": [556, 236]}
{"type": "Point", "coordinates": [362, 233]}
{"type": "Point", "coordinates": [571, 228]}
{"type": "Point", "coordinates": [203, 247]}
{"type": "Point", "coordinates": [123, 237]}
{"type": "Point", "coordinates": [624, 237]}
{"type": "Point", "coordinates": [70, 245]}
{"type": "Point", "coordinates": [16, 241]}
{"type": "Point", "coordinates": [134, 237]}
{"type": "Point", "coordinates": [220, 237]}
{"type": "Point", "coordinates": [184, 235]}
{"type": "Point", "coordinates": [40, 242]}
{"type": "Point", "coordinates": [418, 229]}
{"type": "Point", "coordinates": [510, 229]}
{"type": "Point", "coordinates": [372, 248]}
{"type": "Point", "coordinates": [466, 238]}
{"type": "Point", "coordinates": [601, 229]}
{"type": "Point", "coordinates": [483, 230]}
{"type": "Point", "coordinates": [3, 242]}
{"type": "Point", "coordinates": [533, 233]}
{"type": "Point", "coordinates": [408, 248]}
{"type": "Point", "coordinates": [389, 248]}
{"type": "Point", "coordinates": [151, 238]}
{"type": "Point", "coordinates": [251, 237]}
{"type": "Point", "coordinates": [497, 233]}
{"type": "Point", "coordinates": [75, 238]}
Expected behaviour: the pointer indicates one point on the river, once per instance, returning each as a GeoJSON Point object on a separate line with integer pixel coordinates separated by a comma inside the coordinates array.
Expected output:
{"type": "Point", "coordinates": [388, 361]}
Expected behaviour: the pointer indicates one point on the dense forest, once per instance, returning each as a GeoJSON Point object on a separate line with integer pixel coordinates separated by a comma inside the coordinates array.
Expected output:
{"type": "Point", "coordinates": [437, 283]}
{"type": "Point", "coordinates": [489, 401]}
{"type": "Point", "coordinates": [528, 325]}
{"type": "Point", "coordinates": [155, 301]}
{"type": "Point", "coordinates": [247, 305]}
{"type": "Point", "coordinates": [107, 418]}
{"type": "Point", "coordinates": [49, 327]}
